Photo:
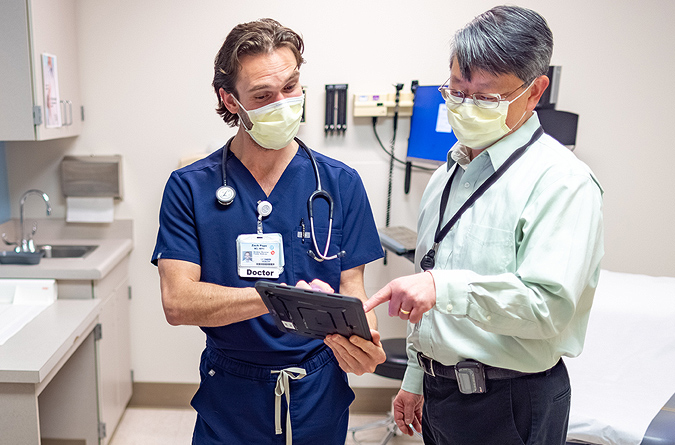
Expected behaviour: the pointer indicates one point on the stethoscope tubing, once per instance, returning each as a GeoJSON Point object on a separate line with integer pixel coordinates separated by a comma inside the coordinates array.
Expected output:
{"type": "Point", "coordinates": [317, 193]}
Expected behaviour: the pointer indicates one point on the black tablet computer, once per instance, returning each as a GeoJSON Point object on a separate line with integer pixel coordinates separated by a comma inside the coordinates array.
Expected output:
{"type": "Point", "coordinates": [313, 313]}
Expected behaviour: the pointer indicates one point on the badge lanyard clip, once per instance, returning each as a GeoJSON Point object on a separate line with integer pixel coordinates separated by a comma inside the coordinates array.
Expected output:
{"type": "Point", "coordinates": [264, 209]}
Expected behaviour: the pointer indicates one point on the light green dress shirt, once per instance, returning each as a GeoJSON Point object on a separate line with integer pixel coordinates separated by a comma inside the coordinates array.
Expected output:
{"type": "Point", "coordinates": [515, 277]}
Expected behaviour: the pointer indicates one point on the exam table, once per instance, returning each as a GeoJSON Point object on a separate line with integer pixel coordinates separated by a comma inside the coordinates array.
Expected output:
{"type": "Point", "coordinates": [623, 383]}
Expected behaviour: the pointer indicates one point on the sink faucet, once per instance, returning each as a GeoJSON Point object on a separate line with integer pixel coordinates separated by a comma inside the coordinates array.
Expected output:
{"type": "Point", "coordinates": [26, 244]}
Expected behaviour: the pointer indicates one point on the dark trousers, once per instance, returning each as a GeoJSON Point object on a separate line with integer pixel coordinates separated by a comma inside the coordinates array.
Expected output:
{"type": "Point", "coordinates": [531, 410]}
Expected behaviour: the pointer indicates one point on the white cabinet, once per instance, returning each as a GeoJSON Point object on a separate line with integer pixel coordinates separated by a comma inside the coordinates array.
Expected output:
{"type": "Point", "coordinates": [113, 349]}
{"type": "Point", "coordinates": [29, 29]}
{"type": "Point", "coordinates": [113, 345]}
{"type": "Point", "coordinates": [67, 405]}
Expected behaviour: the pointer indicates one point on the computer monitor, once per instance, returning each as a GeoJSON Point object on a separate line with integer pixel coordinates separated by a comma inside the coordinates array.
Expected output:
{"type": "Point", "coordinates": [431, 136]}
{"type": "Point", "coordinates": [549, 98]}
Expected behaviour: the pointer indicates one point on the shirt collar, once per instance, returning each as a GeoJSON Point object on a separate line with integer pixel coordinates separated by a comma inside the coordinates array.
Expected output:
{"type": "Point", "coordinates": [500, 150]}
{"type": "Point", "coordinates": [460, 154]}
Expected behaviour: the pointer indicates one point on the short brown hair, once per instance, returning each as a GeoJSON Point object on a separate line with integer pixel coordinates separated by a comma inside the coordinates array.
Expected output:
{"type": "Point", "coordinates": [252, 38]}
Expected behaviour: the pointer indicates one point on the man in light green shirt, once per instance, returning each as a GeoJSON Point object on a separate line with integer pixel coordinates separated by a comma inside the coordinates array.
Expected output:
{"type": "Point", "coordinates": [509, 278]}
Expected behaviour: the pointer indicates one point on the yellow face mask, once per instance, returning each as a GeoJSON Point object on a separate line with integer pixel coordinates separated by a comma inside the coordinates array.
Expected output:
{"type": "Point", "coordinates": [477, 127]}
{"type": "Point", "coordinates": [275, 125]}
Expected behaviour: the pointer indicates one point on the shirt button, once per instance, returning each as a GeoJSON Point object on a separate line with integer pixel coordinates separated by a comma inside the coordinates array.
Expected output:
{"type": "Point", "coordinates": [449, 307]}
{"type": "Point", "coordinates": [467, 185]}
{"type": "Point", "coordinates": [489, 317]}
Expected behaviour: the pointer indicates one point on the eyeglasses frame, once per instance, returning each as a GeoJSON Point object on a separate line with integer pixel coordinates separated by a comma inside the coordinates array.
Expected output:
{"type": "Point", "coordinates": [445, 92]}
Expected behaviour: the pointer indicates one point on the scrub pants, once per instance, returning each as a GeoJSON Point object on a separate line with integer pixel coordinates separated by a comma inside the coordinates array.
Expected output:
{"type": "Point", "coordinates": [235, 402]}
{"type": "Point", "coordinates": [532, 410]}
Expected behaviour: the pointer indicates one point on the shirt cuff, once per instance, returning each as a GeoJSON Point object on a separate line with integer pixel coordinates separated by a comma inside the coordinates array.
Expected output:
{"type": "Point", "coordinates": [413, 380]}
{"type": "Point", "coordinates": [452, 291]}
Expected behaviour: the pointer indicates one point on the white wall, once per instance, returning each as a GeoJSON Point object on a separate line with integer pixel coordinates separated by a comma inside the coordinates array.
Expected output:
{"type": "Point", "coordinates": [146, 69]}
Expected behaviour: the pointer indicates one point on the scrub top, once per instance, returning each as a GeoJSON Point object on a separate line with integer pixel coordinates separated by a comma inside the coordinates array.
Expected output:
{"type": "Point", "coordinates": [194, 227]}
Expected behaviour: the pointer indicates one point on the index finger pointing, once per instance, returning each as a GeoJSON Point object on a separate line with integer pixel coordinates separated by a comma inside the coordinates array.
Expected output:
{"type": "Point", "coordinates": [380, 297]}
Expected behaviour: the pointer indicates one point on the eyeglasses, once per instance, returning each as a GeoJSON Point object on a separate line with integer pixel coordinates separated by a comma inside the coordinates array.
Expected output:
{"type": "Point", "coordinates": [481, 100]}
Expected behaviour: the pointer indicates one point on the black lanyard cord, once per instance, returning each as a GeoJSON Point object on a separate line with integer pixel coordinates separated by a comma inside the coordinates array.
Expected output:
{"type": "Point", "coordinates": [428, 261]}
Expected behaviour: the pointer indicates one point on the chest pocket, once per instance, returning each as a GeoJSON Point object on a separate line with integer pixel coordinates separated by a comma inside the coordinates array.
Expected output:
{"type": "Point", "coordinates": [487, 250]}
{"type": "Point", "coordinates": [305, 267]}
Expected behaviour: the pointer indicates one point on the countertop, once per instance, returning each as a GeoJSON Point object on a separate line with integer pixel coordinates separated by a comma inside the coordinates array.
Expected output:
{"type": "Point", "coordinates": [94, 266]}
{"type": "Point", "coordinates": [51, 338]}
{"type": "Point", "coordinates": [114, 241]}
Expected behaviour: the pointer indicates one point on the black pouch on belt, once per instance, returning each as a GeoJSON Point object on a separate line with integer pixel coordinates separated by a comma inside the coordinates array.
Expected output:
{"type": "Point", "coordinates": [470, 377]}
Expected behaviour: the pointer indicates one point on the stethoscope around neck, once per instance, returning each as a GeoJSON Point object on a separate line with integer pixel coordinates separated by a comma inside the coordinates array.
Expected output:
{"type": "Point", "coordinates": [226, 194]}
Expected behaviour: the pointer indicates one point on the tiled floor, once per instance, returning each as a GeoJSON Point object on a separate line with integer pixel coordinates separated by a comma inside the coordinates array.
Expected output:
{"type": "Point", "coordinates": [146, 426]}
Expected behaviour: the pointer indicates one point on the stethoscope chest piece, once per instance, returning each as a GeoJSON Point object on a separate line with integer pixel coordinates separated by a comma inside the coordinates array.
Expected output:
{"type": "Point", "coordinates": [225, 195]}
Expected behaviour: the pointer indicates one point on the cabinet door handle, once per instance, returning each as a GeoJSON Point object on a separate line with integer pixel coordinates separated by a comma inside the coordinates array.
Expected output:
{"type": "Point", "coordinates": [70, 112]}
{"type": "Point", "coordinates": [64, 110]}
{"type": "Point", "coordinates": [66, 113]}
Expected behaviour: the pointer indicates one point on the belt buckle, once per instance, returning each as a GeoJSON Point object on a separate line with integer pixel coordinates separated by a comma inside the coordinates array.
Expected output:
{"type": "Point", "coordinates": [427, 364]}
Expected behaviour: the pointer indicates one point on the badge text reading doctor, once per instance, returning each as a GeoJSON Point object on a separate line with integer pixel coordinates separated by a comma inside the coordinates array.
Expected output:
{"type": "Point", "coordinates": [260, 255]}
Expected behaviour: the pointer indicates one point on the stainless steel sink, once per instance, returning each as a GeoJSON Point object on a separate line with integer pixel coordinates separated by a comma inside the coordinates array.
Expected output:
{"type": "Point", "coordinates": [65, 251]}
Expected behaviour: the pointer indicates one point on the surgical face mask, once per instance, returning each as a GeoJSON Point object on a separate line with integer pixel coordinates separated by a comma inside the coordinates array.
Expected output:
{"type": "Point", "coordinates": [477, 127]}
{"type": "Point", "coordinates": [275, 125]}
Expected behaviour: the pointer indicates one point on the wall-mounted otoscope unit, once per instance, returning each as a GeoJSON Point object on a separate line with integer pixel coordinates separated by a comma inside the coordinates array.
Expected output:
{"type": "Point", "coordinates": [336, 109]}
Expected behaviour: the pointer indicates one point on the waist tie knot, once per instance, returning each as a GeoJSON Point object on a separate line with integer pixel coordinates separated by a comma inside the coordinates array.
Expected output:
{"type": "Point", "coordinates": [283, 388]}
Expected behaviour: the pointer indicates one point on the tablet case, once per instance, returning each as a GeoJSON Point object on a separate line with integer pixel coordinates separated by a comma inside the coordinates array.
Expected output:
{"type": "Point", "coordinates": [313, 313]}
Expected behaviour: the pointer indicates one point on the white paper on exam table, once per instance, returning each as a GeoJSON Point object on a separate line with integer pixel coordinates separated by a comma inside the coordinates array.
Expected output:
{"type": "Point", "coordinates": [21, 301]}
{"type": "Point", "coordinates": [625, 374]}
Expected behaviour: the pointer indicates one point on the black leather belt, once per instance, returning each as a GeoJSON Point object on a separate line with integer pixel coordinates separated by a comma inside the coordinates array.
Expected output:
{"type": "Point", "coordinates": [436, 369]}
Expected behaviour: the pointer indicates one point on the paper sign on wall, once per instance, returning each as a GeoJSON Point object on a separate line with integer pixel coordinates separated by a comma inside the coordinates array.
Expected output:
{"type": "Point", "coordinates": [50, 81]}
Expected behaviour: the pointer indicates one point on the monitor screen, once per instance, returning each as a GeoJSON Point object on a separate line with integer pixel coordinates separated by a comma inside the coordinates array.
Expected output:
{"type": "Point", "coordinates": [431, 136]}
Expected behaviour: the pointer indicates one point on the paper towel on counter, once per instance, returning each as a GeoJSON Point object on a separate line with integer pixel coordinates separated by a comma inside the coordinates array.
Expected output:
{"type": "Point", "coordinates": [89, 210]}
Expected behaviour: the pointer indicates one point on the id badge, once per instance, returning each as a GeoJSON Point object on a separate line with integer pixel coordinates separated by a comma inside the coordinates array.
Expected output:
{"type": "Point", "coordinates": [260, 255]}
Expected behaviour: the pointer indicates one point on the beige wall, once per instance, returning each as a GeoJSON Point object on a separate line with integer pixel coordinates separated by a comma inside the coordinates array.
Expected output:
{"type": "Point", "coordinates": [146, 69]}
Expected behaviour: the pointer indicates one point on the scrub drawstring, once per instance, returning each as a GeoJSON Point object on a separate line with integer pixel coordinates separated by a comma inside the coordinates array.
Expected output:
{"type": "Point", "coordinates": [283, 387]}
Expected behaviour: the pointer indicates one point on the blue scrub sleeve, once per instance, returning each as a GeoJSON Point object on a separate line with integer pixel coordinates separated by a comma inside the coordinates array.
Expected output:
{"type": "Point", "coordinates": [177, 237]}
{"type": "Point", "coordinates": [361, 239]}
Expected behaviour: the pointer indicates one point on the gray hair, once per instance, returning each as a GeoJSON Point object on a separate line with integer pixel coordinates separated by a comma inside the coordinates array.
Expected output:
{"type": "Point", "coordinates": [504, 40]}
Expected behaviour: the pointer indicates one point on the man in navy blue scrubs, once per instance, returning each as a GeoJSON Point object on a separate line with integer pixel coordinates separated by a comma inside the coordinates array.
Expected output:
{"type": "Point", "coordinates": [207, 280]}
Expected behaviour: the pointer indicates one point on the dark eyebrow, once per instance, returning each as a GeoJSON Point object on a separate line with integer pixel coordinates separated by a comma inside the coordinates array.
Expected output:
{"type": "Point", "coordinates": [294, 76]}
{"type": "Point", "coordinates": [482, 86]}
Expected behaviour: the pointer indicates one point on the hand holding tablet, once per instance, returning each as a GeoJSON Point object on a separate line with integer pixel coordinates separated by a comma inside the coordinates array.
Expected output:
{"type": "Point", "coordinates": [314, 313]}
